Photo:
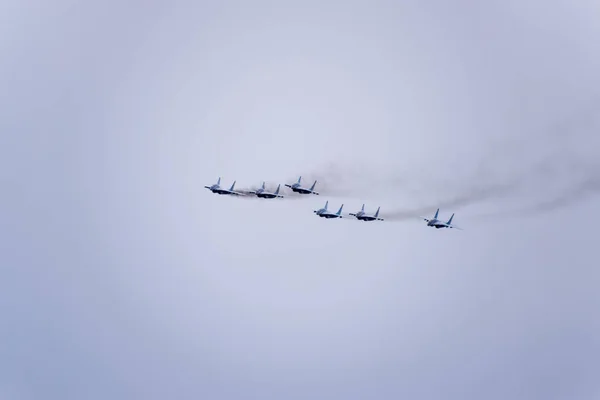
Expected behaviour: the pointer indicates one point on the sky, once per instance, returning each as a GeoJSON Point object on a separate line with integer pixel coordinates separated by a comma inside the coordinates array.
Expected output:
{"type": "Point", "coordinates": [122, 277]}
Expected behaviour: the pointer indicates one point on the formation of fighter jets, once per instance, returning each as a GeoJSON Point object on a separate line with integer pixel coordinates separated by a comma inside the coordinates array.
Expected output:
{"type": "Point", "coordinates": [322, 212]}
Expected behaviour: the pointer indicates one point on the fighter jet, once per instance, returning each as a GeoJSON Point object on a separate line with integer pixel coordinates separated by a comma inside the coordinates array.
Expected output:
{"type": "Point", "coordinates": [299, 189]}
{"type": "Point", "coordinates": [216, 188]}
{"type": "Point", "coordinates": [362, 216]}
{"type": "Point", "coordinates": [325, 213]}
{"type": "Point", "coordinates": [436, 223]}
{"type": "Point", "coordinates": [262, 193]}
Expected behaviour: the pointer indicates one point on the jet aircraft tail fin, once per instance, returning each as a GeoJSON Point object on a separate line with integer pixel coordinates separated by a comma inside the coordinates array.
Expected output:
{"type": "Point", "coordinates": [377, 212]}
{"type": "Point", "coordinates": [232, 186]}
{"type": "Point", "coordinates": [277, 191]}
{"type": "Point", "coordinates": [362, 208]}
{"type": "Point", "coordinates": [340, 210]}
{"type": "Point", "coordinates": [450, 220]}
{"type": "Point", "coordinates": [313, 186]}
{"type": "Point", "coordinates": [436, 213]}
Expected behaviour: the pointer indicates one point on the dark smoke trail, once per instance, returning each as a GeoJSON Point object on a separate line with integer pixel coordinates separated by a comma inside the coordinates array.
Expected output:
{"type": "Point", "coordinates": [457, 202]}
{"type": "Point", "coordinates": [536, 165]}
{"type": "Point", "coordinates": [580, 192]}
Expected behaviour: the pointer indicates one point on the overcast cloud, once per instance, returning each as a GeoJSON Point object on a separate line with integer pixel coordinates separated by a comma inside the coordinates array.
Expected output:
{"type": "Point", "coordinates": [122, 277]}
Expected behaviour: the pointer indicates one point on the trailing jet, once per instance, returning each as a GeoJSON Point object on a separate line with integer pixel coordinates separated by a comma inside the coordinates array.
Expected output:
{"type": "Point", "coordinates": [361, 215]}
{"type": "Point", "coordinates": [216, 188]}
{"type": "Point", "coordinates": [325, 213]}
{"type": "Point", "coordinates": [436, 223]}
{"type": "Point", "coordinates": [299, 189]}
{"type": "Point", "coordinates": [262, 193]}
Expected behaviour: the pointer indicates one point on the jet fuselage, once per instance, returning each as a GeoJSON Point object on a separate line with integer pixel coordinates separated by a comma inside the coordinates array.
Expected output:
{"type": "Point", "coordinates": [265, 195]}
{"type": "Point", "coordinates": [436, 224]}
{"type": "Point", "coordinates": [218, 190]}
{"type": "Point", "coordinates": [365, 218]}
{"type": "Point", "coordinates": [299, 189]}
{"type": "Point", "coordinates": [326, 214]}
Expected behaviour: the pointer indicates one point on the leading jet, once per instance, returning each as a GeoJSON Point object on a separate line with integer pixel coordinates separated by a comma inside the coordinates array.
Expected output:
{"type": "Point", "coordinates": [216, 188]}
{"type": "Point", "coordinates": [296, 187]}
{"type": "Point", "coordinates": [325, 213]}
{"type": "Point", "coordinates": [262, 193]}
{"type": "Point", "coordinates": [436, 223]}
{"type": "Point", "coordinates": [362, 216]}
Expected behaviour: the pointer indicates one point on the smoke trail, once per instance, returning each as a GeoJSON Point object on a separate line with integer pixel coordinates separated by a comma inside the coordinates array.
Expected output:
{"type": "Point", "coordinates": [576, 193]}
{"type": "Point", "coordinates": [512, 167]}
{"type": "Point", "coordinates": [455, 202]}
{"type": "Point", "coordinates": [590, 187]}
{"type": "Point", "coordinates": [541, 167]}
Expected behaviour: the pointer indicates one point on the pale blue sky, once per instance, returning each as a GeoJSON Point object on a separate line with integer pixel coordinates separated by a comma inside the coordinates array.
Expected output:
{"type": "Point", "coordinates": [122, 277]}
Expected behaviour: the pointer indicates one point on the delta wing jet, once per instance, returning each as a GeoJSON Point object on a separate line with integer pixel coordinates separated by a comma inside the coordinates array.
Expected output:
{"type": "Point", "coordinates": [262, 193]}
{"type": "Point", "coordinates": [296, 187]}
{"type": "Point", "coordinates": [216, 188]}
{"type": "Point", "coordinates": [325, 213]}
{"type": "Point", "coordinates": [362, 216]}
{"type": "Point", "coordinates": [436, 223]}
